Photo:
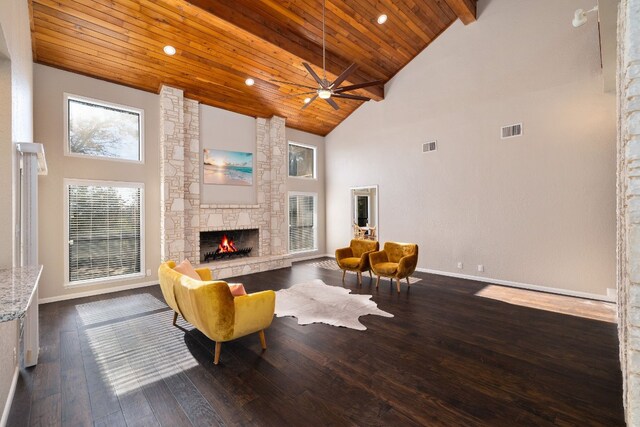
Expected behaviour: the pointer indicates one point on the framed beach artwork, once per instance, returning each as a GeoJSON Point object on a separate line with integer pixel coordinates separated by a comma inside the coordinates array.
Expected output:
{"type": "Point", "coordinates": [227, 167]}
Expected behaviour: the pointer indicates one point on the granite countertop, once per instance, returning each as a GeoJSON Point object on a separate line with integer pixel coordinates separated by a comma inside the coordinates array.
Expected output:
{"type": "Point", "coordinates": [17, 286]}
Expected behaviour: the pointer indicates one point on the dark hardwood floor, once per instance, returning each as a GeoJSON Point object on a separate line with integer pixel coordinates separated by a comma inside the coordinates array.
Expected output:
{"type": "Point", "coordinates": [448, 357]}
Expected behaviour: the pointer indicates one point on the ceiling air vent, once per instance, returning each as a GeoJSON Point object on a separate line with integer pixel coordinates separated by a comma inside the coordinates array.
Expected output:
{"type": "Point", "coordinates": [429, 146]}
{"type": "Point", "coordinates": [511, 131]}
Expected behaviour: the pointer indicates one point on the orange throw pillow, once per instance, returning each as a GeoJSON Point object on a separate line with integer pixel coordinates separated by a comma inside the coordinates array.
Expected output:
{"type": "Point", "coordinates": [187, 269]}
{"type": "Point", "coordinates": [237, 289]}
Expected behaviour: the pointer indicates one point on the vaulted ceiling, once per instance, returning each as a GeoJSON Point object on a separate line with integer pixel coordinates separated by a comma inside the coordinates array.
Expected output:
{"type": "Point", "coordinates": [221, 43]}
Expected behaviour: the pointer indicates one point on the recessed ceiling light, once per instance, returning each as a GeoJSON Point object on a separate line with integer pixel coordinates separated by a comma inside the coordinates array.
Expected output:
{"type": "Point", "coordinates": [169, 50]}
{"type": "Point", "coordinates": [307, 100]}
{"type": "Point", "coordinates": [249, 82]}
{"type": "Point", "coordinates": [382, 19]}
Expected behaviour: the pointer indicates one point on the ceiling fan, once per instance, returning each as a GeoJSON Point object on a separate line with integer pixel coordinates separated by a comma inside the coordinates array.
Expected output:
{"type": "Point", "coordinates": [327, 90]}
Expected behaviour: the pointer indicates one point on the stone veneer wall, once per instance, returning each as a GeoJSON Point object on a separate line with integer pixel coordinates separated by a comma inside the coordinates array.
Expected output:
{"type": "Point", "coordinates": [191, 178]}
{"type": "Point", "coordinates": [172, 237]}
{"type": "Point", "coordinates": [184, 217]}
{"type": "Point", "coordinates": [268, 214]}
{"type": "Point", "coordinates": [629, 205]}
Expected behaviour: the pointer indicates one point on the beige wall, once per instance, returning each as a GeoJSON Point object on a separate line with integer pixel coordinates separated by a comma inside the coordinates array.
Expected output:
{"type": "Point", "coordinates": [312, 185]}
{"type": "Point", "coordinates": [538, 209]}
{"type": "Point", "coordinates": [16, 125]}
{"type": "Point", "coordinates": [50, 85]}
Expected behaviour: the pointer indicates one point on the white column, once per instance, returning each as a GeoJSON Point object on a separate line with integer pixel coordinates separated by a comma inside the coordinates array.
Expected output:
{"type": "Point", "coordinates": [33, 164]}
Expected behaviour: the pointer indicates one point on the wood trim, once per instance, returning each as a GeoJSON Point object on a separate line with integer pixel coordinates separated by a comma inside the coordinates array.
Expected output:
{"type": "Point", "coordinates": [464, 9]}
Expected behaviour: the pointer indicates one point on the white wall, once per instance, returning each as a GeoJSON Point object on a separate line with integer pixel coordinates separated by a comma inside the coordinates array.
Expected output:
{"type": "Point", "coordinates": [50, 86]}
{"type": "Point", "coordinates": [312, 185]}
{"type": "Point", "coordinates": [16, 125]}
{"type": "Point", "coordinates": [538, 209]}
{"type": "Point", "coordinates": [225, 130]}
{"type": "Point", "coordinates": [17, 104]}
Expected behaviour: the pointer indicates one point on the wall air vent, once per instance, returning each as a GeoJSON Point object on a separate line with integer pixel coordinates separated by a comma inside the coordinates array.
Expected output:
{"type": "Point", "coordinates": [511, 131]}
{"type": "Point", "coordinates": [429, 146]}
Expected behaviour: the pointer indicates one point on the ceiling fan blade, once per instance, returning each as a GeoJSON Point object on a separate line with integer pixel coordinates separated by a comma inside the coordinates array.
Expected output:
{"type": "Point", "coordinates": [293, 84]}
{"type": "Point", "coordinates": [347, 96]}
{"type": "Point", "coordinates": [346, 73]}
{"type": "Point", "coordinates": [313, 74]}
{"type": "Point", "coordinates": [332, 103]}
{"type": "Point", "coordinates": [358, 86]}
{"type": "Point", "coordinates": [307, 104]}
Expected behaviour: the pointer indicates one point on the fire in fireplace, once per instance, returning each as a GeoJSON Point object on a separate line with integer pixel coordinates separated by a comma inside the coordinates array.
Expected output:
{"type": "Point", "coordinates": [226, 249]}
{"type": "Point", "coordinates": [226, 245]}
{"type": "Point", "coordinates": [218, 245]}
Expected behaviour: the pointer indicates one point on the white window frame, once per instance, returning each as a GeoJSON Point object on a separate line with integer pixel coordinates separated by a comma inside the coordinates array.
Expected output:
{"type": "Point", "coordinates": [67, 152]}
{"type": "Point", "coordinates": [315, 160]}
{"type": "Point", "coordinates": [87, 182]}
{"type": "Point", "coordinates": [315, 221]}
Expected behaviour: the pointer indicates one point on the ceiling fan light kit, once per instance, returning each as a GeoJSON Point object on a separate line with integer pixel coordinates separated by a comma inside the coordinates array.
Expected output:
{"type": "Point", "coordinates": [324, 93]}
{"type": "Point", "coordinates": [327, 90]}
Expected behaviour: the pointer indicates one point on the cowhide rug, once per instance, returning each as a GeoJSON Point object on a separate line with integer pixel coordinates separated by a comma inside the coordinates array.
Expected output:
{"type": "Point", "coordinates": [317, 302]}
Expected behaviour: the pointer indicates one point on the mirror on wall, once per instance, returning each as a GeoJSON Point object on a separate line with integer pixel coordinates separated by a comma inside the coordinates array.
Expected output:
{"type": "Point", "coordinates": [364, 212]}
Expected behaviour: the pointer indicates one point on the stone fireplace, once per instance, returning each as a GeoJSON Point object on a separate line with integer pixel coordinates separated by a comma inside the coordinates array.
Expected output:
{"type": "Point", "coordinates": [228, 244]}
{"type": "Point", "coordinates": [184, 217]}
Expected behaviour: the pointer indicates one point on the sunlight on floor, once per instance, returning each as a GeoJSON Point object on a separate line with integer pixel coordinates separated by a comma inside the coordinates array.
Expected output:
{"type": "Point", "coordinates": [588, 309]}
{"type": "Point", "coordinates": [116, 308]}
{"type": "Point", "coordinates": [139, 351]}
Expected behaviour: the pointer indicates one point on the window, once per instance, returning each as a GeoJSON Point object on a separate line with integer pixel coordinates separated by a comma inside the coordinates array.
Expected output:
{"type": "Point", "coordinates": [302, 160]}
{"type": "Point", "coordinates": [302, 222]}
{"type": "Point", "coordinates": [104, 231]}
{"type": "Point", "coordinates": [102, 130]}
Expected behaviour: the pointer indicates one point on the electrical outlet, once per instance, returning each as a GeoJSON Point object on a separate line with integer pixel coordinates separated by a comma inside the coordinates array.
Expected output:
{"type": "Point", "coordinates": [460, 265]}
{"type": "Point", "coordinates": [480, 268]}
{"type": "Point", "coordinates": [149, 272]}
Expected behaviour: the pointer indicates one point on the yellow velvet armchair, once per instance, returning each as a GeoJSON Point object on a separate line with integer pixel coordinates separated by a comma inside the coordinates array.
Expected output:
{"type": "Point", "coordinates": [209, 306]}
{"type": "Point", "coordinates": [356, 257]}
{"type": "Point", "coordinates": [396, 261]}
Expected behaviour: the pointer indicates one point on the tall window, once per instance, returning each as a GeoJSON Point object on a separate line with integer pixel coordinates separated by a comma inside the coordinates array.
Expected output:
{"type": "Point", "coordinates": [303, 220]}
{"type": "Point", "coordinates": [302, 160]}
{"type": "Point", "coordinates": [104, 231]}
{"type": "Point", "coordinates": [103, 130]}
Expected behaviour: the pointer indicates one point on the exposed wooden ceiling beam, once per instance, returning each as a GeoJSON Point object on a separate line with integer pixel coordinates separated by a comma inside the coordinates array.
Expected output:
{"type": "Point", "coordinates": [284, 37]}
{"type": "Point", "coordinates": [465, 9]}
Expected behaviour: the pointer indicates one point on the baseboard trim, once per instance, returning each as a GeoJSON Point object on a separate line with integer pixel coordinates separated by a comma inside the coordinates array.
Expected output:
{"type": "Point", "coordinates": [96, 292]}
{"type": "Point", "coordinates": [520, 285]}
{"type": "Point", "coordinates": [307, 258]}
{"type": "Point", "coordinates": [12, 392]}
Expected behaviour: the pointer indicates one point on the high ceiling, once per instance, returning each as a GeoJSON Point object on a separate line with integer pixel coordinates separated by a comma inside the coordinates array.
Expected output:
{"type": "Point", "coordinates": [220, 43]}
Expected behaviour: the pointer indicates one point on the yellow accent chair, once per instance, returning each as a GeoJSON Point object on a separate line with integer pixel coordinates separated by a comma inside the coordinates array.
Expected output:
{"type": "Point", "coordinates": [396, 261]}
{"type": "Point", "coordinates": [209, 306]}
{"type": "Point", "coordinates": [356, 257]}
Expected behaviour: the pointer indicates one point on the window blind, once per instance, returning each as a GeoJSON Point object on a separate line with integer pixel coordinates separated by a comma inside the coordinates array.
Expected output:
{"type": "Point", "coordinates": [104, 231]}
{"type": "Point", "coordinates": [302, 222]}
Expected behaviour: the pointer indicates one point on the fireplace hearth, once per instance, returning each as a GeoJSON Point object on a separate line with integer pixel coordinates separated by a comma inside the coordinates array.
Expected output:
{"type": "Point", "coordinates": [228, 244]}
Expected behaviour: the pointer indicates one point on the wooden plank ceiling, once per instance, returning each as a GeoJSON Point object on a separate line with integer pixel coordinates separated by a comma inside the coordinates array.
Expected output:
{"type": "Point", "coordinates": [220, 43]}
